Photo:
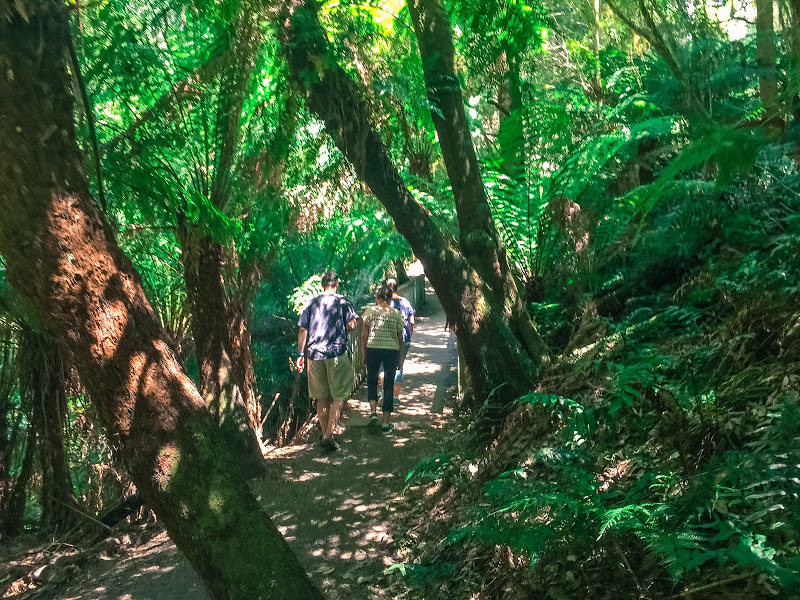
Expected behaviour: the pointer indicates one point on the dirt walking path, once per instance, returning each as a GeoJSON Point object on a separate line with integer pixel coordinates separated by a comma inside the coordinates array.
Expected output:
{"type": "Point", "coordinates": [333, 509]}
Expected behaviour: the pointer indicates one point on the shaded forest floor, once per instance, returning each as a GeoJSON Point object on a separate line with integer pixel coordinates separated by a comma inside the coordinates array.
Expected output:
{"type": "Point", "coordinates": [335, 510]}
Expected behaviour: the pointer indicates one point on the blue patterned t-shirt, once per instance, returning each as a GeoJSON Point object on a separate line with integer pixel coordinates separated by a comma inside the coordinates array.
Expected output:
{"type": "Point", "coordinates": [326, 318]}
{"type": "Point", "coordinates": [406, 310]}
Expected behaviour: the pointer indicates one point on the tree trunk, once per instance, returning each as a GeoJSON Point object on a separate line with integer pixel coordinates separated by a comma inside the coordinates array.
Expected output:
{"type": "Point", "coordinates": [597, 83]}
{"type": "Point", "coordinates": [478, 236]}
{"type": "Point", "coordinates": [224, 384]}
{"type": "Point", "coordinates": [509, 104]}
{"type": "Point", "coordinates": [219, 329]}
{"type": "Point", "coordinates": [400, 271]}
{"type": "Point", "coordinates": [766, 54]}
{"type": "Point", "coordinates": [9, 428]}
{"type": "Point", "coordinates": [793, 45]}
{"type": "Point", "coordinates": [503, 88]}
{"type": "Point", "coordinates": [62, 257]}
{"type": "Point", "coordinates": [43, 372]}
{"type": "Point", "coordinates": [486, 321]}
{"type": "Point", "coordinates": [15, 509]}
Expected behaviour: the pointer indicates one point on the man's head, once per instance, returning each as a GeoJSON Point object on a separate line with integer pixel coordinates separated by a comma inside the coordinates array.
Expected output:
{"type": "Point", "coordinates": [391, 283]}
{"type": "Point", "coordinates": [330, 281]}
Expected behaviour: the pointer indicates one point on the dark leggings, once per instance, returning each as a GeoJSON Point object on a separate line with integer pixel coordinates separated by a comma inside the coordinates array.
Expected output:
{"type": "Point", "coordinates": [389, 358]}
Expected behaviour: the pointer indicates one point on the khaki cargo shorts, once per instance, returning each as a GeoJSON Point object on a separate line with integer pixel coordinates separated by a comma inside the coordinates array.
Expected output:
{"type": "Point", "coordinates": [330, 378]}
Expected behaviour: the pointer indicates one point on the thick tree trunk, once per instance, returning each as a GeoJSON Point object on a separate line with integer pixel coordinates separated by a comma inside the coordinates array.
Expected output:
{"type": "Point", "coordinates": [478, 235]}
{"type": "Point", "coordinates": [62, 257]}
{"type": "Point", "coordinates": [484, 319]}
{"type": "Point", "coordinates": [225, 366]}
{"type": "Point", "coordinates": [43, 372]}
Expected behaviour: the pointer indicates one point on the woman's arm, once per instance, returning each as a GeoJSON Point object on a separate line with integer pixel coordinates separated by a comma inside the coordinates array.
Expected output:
{"type": "Point", "coordinates": [400, 328]}
{"type": "Point", "coordinates": [364, 337]}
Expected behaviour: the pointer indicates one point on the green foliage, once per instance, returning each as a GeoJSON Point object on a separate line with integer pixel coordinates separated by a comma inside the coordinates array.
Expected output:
{"type": "Point", "coordinates": [652, 220]}
{"type": "Point", "coordinates": [685, 356]}
{"type": "Point", "coordinates": [578, 422]}
{"type": "Point", "coordinates": [429, 469]}
{"type": "Point", "coordinates": [304, 293]}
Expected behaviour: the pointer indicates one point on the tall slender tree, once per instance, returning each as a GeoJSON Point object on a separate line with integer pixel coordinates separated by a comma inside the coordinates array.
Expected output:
{"type": "Point", "coordinates": [766, 54]}
{"type": "Point", "coordinates": [219, 320]}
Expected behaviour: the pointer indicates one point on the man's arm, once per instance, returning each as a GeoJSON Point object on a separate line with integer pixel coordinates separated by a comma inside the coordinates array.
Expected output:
{"type": "Point", "coordinates": [411, 323]}
{"type": "Point", "coordinates": [350, 316]}
{"type": "Point", "coordinates": [302, 336]}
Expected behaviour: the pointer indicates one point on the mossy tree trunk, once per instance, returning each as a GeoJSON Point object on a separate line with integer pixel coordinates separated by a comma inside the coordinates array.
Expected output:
{"type": "Point", "coordinates": [478, 236]}
{"type": "Point", "coordinates": [10, 425]}
{"type": "Point", "coordinates": [471, 278]}
{"type": "Point", "coordinates": [62, 257]}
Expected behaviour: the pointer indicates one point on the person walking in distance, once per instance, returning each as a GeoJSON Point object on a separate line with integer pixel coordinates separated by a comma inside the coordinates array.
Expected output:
{"type": "Point", "coordinates": [381, 339]}
{"type": "Point", "coordinates": [322, 346]}
{"type": "Point", "coordinates": [407, 312]}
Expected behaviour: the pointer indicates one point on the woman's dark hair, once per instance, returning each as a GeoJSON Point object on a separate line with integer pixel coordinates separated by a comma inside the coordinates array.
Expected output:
{"type": "Point", "coordinates": [384, 292]}
{"type": "Point", "coordinates": [392, 283]}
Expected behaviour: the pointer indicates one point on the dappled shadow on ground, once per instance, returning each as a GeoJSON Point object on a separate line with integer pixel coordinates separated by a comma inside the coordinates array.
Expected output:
{"type": "Point", "coordinates": [153, 571]}
{"type": "Point", "coordinates": [335, 510]}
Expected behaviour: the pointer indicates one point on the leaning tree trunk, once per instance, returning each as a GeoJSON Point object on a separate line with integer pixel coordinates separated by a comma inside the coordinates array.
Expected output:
{"type": "Point", "coordinates": [487, 322]}
{"type": "Point", "coordinates": [43, 372]}
{"type": "Point", "coordinates": [62, 257]}
{"type": "Point", "coordinates": [478, 235]}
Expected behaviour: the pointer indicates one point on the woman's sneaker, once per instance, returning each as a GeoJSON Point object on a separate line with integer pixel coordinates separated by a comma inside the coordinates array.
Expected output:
{"type": "Point", "coordinates": [387, 428]}
{"type": "Point", "coordinates": [373, 419]}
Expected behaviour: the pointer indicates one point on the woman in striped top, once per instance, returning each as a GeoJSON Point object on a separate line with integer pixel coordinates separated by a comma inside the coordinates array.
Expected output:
{"type": "Point", "coordinates": [381, 340]}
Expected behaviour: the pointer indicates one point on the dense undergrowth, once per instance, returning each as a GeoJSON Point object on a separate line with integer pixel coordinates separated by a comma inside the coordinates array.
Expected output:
{"type": "Point", "coordinates": [674, 468]}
